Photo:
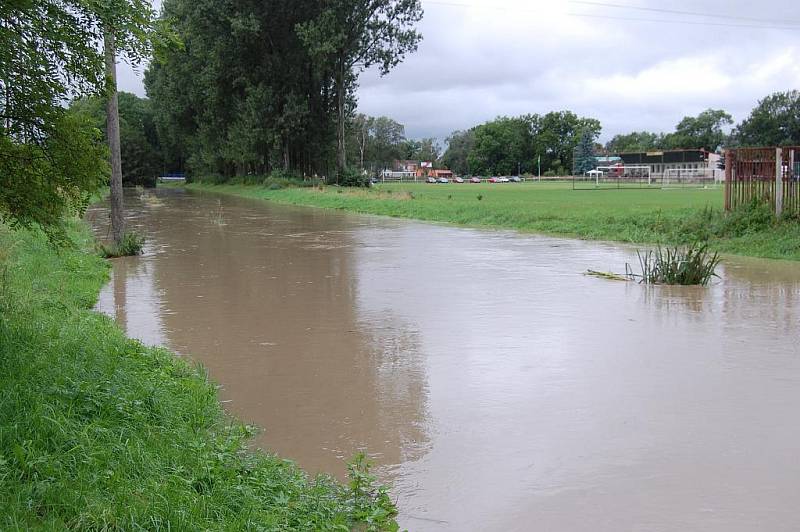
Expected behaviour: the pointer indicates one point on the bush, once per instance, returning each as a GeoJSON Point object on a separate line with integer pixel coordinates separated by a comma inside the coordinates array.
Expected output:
{"type": "Point", "coordinates": [353, 178]}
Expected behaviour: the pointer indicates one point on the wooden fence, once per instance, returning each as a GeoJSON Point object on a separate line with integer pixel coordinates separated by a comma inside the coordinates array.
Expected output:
{"type": "Point", "coordinates": [769, 175]}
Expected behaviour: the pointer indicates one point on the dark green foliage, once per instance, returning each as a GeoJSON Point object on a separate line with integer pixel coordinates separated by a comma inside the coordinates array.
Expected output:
{"type": "Point", "coordinates": [459, 146]}
{"type": "Point", "coordinates": [350, 36]}
{"type": "Point", "coordinates": [506, 146]}
{"type": "Point", "coordinates": [635, 142]}
{"type": "Point", "coordinates": [352, 178]}
{"type": "Point", "coordinates": [584, 160]}
{"type": "Point", "coordinates": [98, 432]}
{"type": "Point", "coordinates": [142, 161]}
{"type": "Point", "coordinates": [691, 265]}
{"type": "Point", "coordinates": [378, 142]}
{"type": "Point", "coordinates": [42, 182]}
{"type": "Point", "coordinates": [706, 130]}
{"type": "Point", "coordinates": [235, 99]}
{"type": "Point", "coordinates": [499, 146]}
{"type": "Point", "coordinates": [261, 86]}
{"type": "Point", "coordinates": [775, 121]}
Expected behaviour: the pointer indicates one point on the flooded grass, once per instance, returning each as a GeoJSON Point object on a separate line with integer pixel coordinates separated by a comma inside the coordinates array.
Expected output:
{"type": "Point", "coordinates": [668, 217]}
{"type": "Point", "coordinates": [98, 432]}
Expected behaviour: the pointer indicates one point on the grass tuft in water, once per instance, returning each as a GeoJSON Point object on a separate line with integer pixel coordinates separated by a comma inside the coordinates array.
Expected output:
{"type": "Point", "coordinates": [689, 265]}
{"type": "Point", "coordinates": [132, 244]}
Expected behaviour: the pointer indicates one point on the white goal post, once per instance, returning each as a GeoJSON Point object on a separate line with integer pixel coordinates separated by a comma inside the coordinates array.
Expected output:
{"type": "Point", "coordinates": [627, 171]}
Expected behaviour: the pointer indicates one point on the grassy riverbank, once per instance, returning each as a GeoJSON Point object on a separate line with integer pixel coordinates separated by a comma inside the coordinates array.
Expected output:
{"type": "Point", "coordinates": [670, 216]}
{"type": "Point", "coordinates": [98, 432]}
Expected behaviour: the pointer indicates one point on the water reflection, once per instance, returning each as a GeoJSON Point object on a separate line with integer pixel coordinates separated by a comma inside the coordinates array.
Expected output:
{"type": "Point", "coordinates": [497, 387]}
{"type": "Point", "coordinates": [267, 303]}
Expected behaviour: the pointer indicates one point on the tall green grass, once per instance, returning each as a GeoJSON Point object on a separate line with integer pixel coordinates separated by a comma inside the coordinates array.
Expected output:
{"type": "Point", "coordinates": [98, 432]}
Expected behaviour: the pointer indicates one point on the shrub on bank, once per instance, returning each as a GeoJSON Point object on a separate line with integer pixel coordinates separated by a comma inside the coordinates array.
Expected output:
{"type": "Point", "coordinates": [99, 432]}
{"type": "Point", "coordinates": [274, 181]}
{"type": "Point", "coordinates": [352, 178]}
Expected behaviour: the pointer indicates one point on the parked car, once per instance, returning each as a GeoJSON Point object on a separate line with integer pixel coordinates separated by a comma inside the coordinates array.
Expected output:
{"type": "Point", "coordinates": [515, 179]}
{"type": "Point", "coordinates": [442, 180]}
{"type": "Point", "coordinates": [502, 180]}
{"type": "Point", "coordinates": [494, 179]}
{"type": "Point", "coordinates": [474, 179]}
{"type": "Point", "coordinates": [430, 180]}
{"type": "Point", "coordinates": [458, 179]}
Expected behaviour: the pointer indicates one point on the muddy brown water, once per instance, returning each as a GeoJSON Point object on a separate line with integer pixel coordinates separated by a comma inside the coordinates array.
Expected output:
{"type": "Point", "coordinates": [494, 385]}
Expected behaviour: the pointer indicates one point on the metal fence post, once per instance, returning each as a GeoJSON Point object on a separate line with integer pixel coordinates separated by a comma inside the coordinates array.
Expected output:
{"type": "Point", "coordinates": [728, 178]}
{"type": "Point", "coordinates": [778, 181]}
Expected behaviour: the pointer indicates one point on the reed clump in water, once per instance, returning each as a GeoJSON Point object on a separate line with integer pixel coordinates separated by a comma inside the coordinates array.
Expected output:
{"type": "Point", "coordinates": [689, 265]}
{"type": "Point", "coordinates": [132, 244]}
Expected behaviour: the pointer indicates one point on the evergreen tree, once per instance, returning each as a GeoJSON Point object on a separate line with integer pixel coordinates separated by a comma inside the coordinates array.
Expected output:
{"type": "Point", "coordinates": [583, 159]}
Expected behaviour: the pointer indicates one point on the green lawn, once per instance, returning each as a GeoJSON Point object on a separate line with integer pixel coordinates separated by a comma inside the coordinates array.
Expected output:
{"type": "Point", "coordinates": [667, 216]}
{"type": "Point", "coordinates": [98, 432]}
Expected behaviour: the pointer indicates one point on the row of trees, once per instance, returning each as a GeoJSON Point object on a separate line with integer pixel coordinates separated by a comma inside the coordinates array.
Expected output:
{"type": "Point", "coordinates": [561, 142]}
{"type": "Point", "coordinates": [774, 121]}
{"type": "Point", "coordinates": [706, 130]}
{"type": "Point", "coordinates": [379, 141]}
{"type": "Point", "coordinates": [269, 85]}
{"type": "Point", "coordinates": [520, 144]}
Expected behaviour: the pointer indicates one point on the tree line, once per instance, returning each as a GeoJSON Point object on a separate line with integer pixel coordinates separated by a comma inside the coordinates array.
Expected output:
{"type": "Point", "coordinates": [774, 121]}
{"type": "Point", "coordinates": [550, 143]}
{"type": "Point", "coordinates": [270, 85]}
{"type": "Point", "coordinates": [234, 88]}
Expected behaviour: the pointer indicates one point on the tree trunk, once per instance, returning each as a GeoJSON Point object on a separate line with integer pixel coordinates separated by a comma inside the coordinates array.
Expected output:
{"type": "Point", "coordinates": [341, 155]}
{"type": "Point", "coordinates": [112, 132]}
{"type": "Point", "coordinates": [362, 145]}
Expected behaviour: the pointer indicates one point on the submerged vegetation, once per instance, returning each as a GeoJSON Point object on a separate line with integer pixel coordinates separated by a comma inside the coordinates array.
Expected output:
{"type": "Point", "coordinates": [132, 243]}
{"type": "Point", "coordinates": [666, 217]}
{"type": "Point", "coordinates": [98, 432]}
{"type": "Point", "coordinates": [690, 265]}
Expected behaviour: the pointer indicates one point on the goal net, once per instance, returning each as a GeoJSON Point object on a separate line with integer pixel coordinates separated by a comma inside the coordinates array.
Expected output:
{"type": "Point", "coordinates": [680, 177]}
{"type": "Point", "coordinates": [617, 176]}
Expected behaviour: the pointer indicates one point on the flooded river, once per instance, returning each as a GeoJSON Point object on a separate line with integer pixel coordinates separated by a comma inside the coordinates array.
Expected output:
{"type": "Point", "coordinates": [494, 385]}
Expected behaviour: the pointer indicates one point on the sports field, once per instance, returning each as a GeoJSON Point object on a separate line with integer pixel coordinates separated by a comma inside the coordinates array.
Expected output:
{"type": "Point", "coordinates": [667, 216]}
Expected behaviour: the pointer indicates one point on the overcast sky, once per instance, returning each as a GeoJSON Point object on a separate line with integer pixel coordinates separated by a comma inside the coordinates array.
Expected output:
{"type": "Point", "coordinates": [638, 70]}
